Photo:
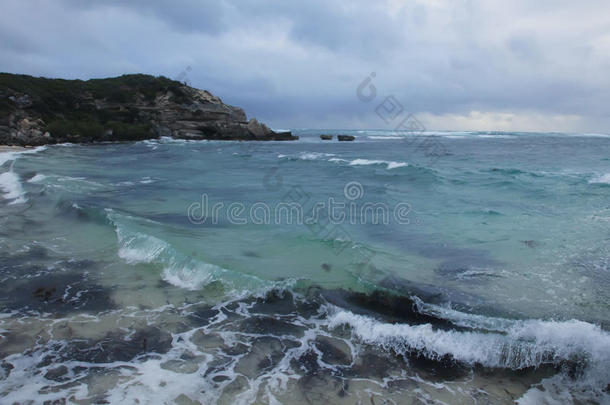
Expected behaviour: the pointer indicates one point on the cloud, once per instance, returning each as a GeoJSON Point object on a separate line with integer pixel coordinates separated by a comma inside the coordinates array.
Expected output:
{"type": "Point", "coordinates": [463, 63]}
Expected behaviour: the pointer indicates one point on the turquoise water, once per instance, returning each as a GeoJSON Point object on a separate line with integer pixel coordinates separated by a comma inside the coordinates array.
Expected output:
{"type": "Point", "coordinates": [461, 266]}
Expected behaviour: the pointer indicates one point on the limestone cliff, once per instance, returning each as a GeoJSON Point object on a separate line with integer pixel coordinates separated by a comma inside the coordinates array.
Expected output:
{"type": "Point", "coordinates": [38, 111]}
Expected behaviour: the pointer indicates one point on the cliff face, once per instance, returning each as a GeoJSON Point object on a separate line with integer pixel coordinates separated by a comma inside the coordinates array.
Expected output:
{"type": "Point", "coordinates": [38, 111]}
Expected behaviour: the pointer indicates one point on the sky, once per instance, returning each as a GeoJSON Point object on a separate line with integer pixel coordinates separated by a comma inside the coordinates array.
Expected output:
{"type": "Point", "coordinates": [518, 65]}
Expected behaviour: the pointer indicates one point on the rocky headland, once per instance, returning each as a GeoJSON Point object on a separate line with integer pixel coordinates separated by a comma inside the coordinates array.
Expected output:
{"type": "Point", "coordinates": [39, 111]}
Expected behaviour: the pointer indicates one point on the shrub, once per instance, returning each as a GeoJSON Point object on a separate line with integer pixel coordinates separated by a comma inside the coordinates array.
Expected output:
{"type": "Point", "coordinates": [122, 131]}
{"type": "Point", "coordinates": [70, 129]}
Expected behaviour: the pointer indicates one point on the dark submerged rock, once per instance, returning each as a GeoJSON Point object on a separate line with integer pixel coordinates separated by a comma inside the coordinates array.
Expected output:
{"type": "Point", "coordinates": [119, 347]}
{"type": "Point", "coordinates": [60, 293]}
{"type": "Point", "coordinates": [275, 302]}
{"type": "Point", "coordinates": [203, 315]}
{"type": "Point", "coordinates": [308, 362]}
{"type": "Point", "coordinates": [334, 351]}
{"type": "Point", "coordinates": [266, 325]}
{"type": "Point", "coordinates": [445, 368]}
{"type": "Point", "coordinates": [531, 243]}
{"type": "Point", "coordinates": [57, 373]}
{"type": "Point", "coordinates": [344, 138]}
{"type": "Point", "coordinates": [5, 369]}
{"type": "Point", "coordinates": [390, 307]}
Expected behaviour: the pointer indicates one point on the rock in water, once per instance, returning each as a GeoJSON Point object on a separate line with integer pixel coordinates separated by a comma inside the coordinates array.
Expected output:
{"type": "Point", "coordinates": [39, 111]}
{"type": "Point", "coordinates": [345, 137]}
{"type": "Point", "coordinates": [326, 137]}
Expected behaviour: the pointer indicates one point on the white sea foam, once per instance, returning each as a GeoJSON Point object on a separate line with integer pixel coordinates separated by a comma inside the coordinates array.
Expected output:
{"type": "Point", "coordinates": [524, 344]}
{"type": "Point", "coordinates": [37, 178]}
{"type": "Point", "coordinates": [314, 155]}
{"type": "Point", "coordinates": [395, 165]}
{"type": "Point", "coordinates": [11, 187]}
{"type": "Point", "coordinates": [367, 162]}
{"type": "Point", "coordinates": [330, 157]}
{"type": "Point", "coordinates": [307, 156]}
{"type": "Point", "coordinates": [495, 136]}
{"type": "Point", "coordinates": [509, 344]}
{"type": "Point", "coordinates": [193, 276]}
{"type": "Point", "coordinates": [601, 179]}
{"type": "Point", "coordinates": [7, 156]}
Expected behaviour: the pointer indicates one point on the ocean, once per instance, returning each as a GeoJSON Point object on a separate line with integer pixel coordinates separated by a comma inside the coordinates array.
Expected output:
{"type": "Point", "coordinates": [400, 268]}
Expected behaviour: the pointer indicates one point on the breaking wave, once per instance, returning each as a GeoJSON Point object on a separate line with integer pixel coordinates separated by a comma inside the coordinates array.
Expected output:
{"type": "Point", "coordinates": [178, 269]}
{"type": "Point", "coordinates": [9, 181]}
{"type": "Point", "coordinates": [11, 187]}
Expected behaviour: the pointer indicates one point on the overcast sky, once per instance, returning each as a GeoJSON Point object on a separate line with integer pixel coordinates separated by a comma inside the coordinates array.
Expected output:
{"type": "Point", "coordinates": [455, 64]}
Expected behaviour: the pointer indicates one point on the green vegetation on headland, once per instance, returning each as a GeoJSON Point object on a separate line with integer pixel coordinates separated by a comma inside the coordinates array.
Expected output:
{"type": "Point", "coordinates": [35, 110]}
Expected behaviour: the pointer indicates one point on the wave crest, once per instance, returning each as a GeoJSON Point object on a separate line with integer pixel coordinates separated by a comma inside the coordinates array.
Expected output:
{"type": "Point", "coordinates": [524, 344]}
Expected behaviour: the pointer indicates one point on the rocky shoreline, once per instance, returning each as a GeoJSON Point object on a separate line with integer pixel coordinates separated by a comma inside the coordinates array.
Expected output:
{"type": "Point", "coordinates": [39, 111]}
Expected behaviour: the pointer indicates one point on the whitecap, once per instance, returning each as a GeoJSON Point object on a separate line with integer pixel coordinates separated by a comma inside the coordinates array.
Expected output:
{"type": "Point", "coordinates": [314, 155]}
{"type": "Point", "coordinates": [147, 180]}
{"type": "Point", "coordinates": [368, 162]}
{"type": "Point", "coordinates": [395, 165]}
{"type": "Point", "coordinates": [496, 136]}
{"type": "Point", "coordinates": [307, 156]}
{"type": "Point", "coordinates": [37, 178]}
{"type": "Point", "coordinates": [601, 179]}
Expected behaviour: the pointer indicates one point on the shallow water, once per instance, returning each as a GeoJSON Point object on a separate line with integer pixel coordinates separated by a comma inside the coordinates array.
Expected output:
{"type": "Point", "coordinates": [452, 267]}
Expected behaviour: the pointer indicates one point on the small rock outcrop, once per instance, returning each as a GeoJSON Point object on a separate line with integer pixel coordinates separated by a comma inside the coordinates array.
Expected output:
{"type": "Point", "coordinates": [39, 111]}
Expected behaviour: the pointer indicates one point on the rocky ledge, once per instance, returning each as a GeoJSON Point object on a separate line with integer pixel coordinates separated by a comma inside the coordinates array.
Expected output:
{"type": "Point", "coordinates": [39, 111]}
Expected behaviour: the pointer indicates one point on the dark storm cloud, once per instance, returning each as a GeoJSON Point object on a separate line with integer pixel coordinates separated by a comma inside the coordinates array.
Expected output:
{"type": "Point", "coordinates": [465, 63]}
